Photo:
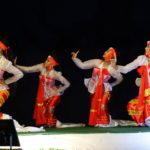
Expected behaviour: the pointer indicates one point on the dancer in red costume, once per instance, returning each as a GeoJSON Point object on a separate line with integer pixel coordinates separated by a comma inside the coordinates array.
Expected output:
{"type": "Point", "coordinates": [139, 107]}
{"type": "Point", "coordinates": [48, 95]}
{"type": "Point", "coordinates": [98, 85]}
{"type": "Point", "coordinates": [6, 66]}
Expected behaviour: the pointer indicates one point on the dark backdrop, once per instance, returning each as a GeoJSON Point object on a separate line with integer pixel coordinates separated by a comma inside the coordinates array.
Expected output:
{"type": "Point", "coordinates": [36, 29]}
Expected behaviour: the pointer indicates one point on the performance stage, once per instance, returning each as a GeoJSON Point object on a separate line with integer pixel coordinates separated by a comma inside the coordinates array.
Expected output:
{"type": "Point", "coordinates": [87, 138]}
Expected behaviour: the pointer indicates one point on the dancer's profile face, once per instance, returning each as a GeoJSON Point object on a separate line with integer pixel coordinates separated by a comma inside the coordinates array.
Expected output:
{"type": "Point", "coordinates": [1, 51]}
{"type": "Point", "coordinates": [47, 63]}
{"type": "Point", "coordinates": [113, 61]}
{"type": "Point", "coordinates": [106, 53]}
{"type": "Point", "coordinates": [147, 50]}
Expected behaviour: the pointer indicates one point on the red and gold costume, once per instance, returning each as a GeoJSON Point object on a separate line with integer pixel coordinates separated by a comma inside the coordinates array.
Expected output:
{"type": "Point", "coordinates": [139, 107]}
{"type": "Point", "coordinates": [6, 66]}
{"type": "Point", "coordinates": [99, 99]}
{"type": "Point", "coordinates": [100, 88]}
{"type": "Point", "coordinates": [48, 95]}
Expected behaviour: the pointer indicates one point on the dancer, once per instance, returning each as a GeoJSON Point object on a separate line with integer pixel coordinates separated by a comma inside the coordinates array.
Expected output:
{"type": "Point", "coordinates": [98, 85]}
{"type": "Point", "coordinates": [48, 95]}
{"type": "Point", "coordinates": [139, 107]}
{"type": "Point", "coordinates": [6, 66]}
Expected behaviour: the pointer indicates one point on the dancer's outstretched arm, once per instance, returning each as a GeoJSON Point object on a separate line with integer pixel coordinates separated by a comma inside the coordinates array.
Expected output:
{"type": "Point", "coordinates": [86, 64]}
{"type": "Point", "coordinates": [139, 61]}
{"type": "Point", "coordinates": [30, 69]}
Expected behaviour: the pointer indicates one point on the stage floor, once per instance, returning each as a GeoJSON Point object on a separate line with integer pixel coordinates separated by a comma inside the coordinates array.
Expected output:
{"type": "Point", "coordinates": [87, 138]}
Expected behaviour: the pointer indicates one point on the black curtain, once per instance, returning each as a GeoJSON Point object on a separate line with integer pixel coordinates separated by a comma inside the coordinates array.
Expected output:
{"type": "Point", "coordinates": [36, 29]}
